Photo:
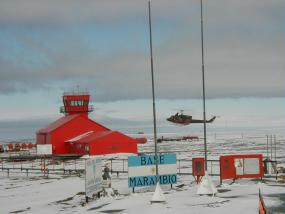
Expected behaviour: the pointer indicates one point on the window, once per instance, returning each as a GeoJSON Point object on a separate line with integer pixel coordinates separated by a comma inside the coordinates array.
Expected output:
{"type": "Point", "coordinates": [77, 103]}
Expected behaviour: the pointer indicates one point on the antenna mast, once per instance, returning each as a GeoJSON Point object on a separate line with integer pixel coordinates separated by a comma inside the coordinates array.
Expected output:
{"type": "Point", "coordinates": [203, 81]}
{"type": "Point", "coordinates": [153, 94]}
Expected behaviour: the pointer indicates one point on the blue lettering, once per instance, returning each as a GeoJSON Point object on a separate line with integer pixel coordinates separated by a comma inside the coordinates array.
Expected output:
{"type": "Point", "coordinates": [140, 182]}
{"type": "Point", "coordinates": [145, 181]}
{"type": "Point", "coordinates": [149, 162]}
{"type": "Point", "coordinates": [143, 161]}
{"type": "Point", "coordinates": [152, 182]}
{"type": "Point", "coordinates": [133, 182]}
{"type": "Point", "coordinates": [161, 159]}
{"type": "Point", "coordinates": [164, 179]}
{"type": "Point", "coordinates": [173, 179]}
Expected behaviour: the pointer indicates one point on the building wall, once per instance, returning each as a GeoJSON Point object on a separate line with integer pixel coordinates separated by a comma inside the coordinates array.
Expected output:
{"type": "Point", "coordinates": [73, 128]}
{"type": "Point", "coordinates": [41, 138]}
{"type": "Point", "coordinates": [113, 143]}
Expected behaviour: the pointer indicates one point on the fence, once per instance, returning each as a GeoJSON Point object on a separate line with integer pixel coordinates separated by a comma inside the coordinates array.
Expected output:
{"type": "Point", "coordinates": [41, 166]}
{"type": "Point", "coordinates": [49, 166]}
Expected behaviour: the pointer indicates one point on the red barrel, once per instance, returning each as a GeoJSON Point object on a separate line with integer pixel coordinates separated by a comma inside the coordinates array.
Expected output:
{"type": "Point", "coordinates": [10, 146]}
{"type": "Point", "coordinates": [30, 145]}
{"type": "Point", "coordinates": [24, 146]}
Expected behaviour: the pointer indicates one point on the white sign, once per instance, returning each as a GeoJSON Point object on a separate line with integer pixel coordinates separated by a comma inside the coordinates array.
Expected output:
{"type": "Point", "coordinates": [247, 166]}
{"type": "Point", "coordinates": [251, 166]}
{"type": "Point", "coordinates": [44, 149]}
{"type": "Point", "coordinates": [142, 170]}
{"type": "Point", "coordinates": [93, 176]}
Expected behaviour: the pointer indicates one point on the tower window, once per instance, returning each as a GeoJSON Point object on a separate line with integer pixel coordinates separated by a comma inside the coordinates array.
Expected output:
{"type": "Point", "coordinates": [77, 103]}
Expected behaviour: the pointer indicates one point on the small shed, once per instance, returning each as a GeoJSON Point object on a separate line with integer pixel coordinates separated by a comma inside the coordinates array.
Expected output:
{"type": "Point", "coordinates": [103, 142]}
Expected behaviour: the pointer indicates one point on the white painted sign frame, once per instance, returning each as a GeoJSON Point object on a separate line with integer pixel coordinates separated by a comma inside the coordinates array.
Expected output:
{"type": "Point", "coordinates": [93, 176]}
{"type": "Point", "coordinates": [44, 149]}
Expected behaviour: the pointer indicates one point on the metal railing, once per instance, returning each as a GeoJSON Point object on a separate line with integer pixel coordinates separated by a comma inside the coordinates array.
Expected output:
{"type": "Point", "coordinates": [117, 166]}
{"type": "Point", "coordinates": [76, 93]}
{"type": "Point", "coordinates": [76, 166]}
{"type": "Point", "coordinates": [64, 109]}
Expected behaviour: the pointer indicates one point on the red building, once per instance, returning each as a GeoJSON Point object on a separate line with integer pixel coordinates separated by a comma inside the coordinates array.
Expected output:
{"type": "Point", "coordinates": [76, 134]}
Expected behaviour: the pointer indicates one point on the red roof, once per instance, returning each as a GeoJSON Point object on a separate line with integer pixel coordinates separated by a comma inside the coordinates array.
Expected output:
{"type": "Point", "coordinates": [58, 123]}
{"type": "Point", "coordinates": [63, 120]}
{"type": "Point", "coordinates": [90, 137]}
{"type": "Point", "coordinates": [78, 137]}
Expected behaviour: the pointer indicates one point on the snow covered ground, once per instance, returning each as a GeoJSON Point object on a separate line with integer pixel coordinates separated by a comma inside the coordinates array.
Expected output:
{"type": "Point", "coordinates": [65, 194]}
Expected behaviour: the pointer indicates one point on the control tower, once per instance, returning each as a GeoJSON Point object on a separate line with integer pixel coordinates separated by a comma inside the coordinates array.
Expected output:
{"type": "Point", "coordinates": [76, 103]}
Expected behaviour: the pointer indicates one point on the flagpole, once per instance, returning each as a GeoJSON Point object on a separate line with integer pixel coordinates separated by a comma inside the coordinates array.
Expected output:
{"type": "Point", "coordinates": [206, 186]}
{"type": "Point", "coordinates": [153, 93]}
{"type": "Point", "coordinates": [203, 81]}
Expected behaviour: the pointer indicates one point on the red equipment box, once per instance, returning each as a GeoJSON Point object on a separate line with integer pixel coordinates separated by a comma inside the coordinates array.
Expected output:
{"type": "Point", "coordinates": [241, 166]}
{"type": "Point", "coordinates": [198, 168]}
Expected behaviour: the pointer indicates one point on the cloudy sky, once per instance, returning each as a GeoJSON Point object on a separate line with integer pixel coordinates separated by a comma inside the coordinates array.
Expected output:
{"type": "Point", "coordinates": [48, 47]}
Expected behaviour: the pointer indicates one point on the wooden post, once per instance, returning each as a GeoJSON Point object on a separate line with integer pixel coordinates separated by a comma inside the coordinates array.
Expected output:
{"type": "Point", "coordinates": [211, 167]}
{"type": "Point", "coordinates": [267, 147]}
{"type": "Point", "coordinates": [53, 162]}
{"type": "Point", "coordinates": [275, 147]}
{"type": "Point", "coordinates": [271, 153]}
{"type": "Point", "coordinates": [44, 166]}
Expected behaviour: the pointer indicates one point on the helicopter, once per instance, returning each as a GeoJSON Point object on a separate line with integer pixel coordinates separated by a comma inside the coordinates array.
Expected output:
{"type": "Point", "coordinates": [183, 119]}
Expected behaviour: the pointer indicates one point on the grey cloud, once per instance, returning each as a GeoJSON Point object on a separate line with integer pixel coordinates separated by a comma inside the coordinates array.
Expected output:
{"type": "Point", "coordinates": [246, 75]}
{"type": "Point", "coordinates": [238, 72]}
{"type": "Point", "coordinates": [244, 50]}
{"type": "Point", "coordinates": [73, 11]}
